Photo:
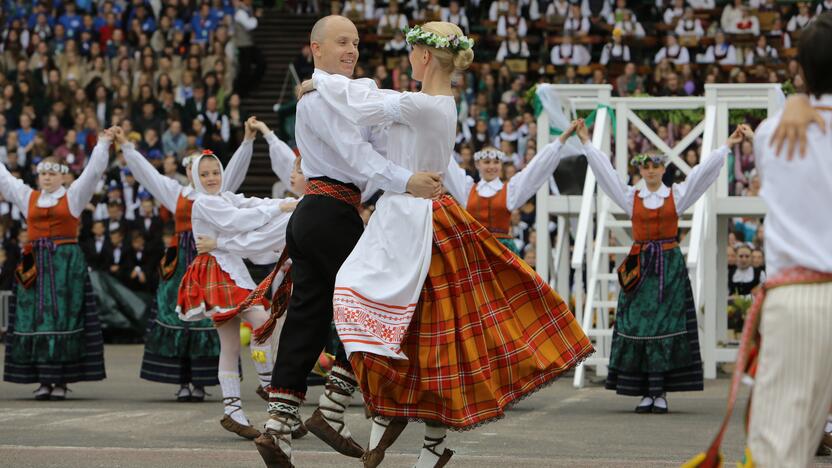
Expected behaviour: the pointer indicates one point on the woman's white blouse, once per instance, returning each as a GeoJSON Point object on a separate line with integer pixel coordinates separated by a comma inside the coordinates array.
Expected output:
{"type": "Point", "coordinates": [685, 194]}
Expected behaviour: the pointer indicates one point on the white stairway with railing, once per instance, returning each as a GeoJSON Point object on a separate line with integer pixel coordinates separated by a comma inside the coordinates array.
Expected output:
{"type": "Point", "coordinates": [703, 239]}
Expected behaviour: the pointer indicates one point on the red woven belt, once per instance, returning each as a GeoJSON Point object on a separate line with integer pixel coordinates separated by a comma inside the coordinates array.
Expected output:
{"type": "Point", "coordinates": [345, 193]}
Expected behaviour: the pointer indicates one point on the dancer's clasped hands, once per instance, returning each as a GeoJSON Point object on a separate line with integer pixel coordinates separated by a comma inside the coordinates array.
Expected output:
{"type": "Point", "coordinates": [425, 185]}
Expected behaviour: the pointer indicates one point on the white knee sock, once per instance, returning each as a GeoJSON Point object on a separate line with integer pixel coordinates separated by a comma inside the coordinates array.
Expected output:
{"type": "Point", "coordinates": [230, 384]}
{"type": "Point", "coordinates": [379, 426]}
{"type": "Point", "coordinates": [261, 356]}
{"type": "Point", "coordinates": [828, 427]}
{"type": "Point", "coordinates": [337, 397]}
{"type": "Point", "coordinates": [660, 402]}
{"type": "Point", "coordinates": [428, 459]}
{"type": "Point", "coordinates": [646, 401]}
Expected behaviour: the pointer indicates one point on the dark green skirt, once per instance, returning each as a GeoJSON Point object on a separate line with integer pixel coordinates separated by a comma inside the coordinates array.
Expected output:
{"type": "Point", "coordinates": [175, 351]}
{"type": "Point", "coordinates": [655, 344]}
{"type": "Point", "coordinates": [54, 331]}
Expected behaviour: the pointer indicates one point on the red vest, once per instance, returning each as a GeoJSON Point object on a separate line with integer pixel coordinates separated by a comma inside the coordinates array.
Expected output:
{"type": "Point", "coordinates": [55, 223]}
{"type": "Point", "coordinates": [491, 212]}
{"type": "Point", "coordinates": [659, 224]}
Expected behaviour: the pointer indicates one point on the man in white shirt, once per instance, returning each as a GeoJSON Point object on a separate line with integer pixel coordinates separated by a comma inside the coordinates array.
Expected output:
{"type": "Point", "coordinates": [339, 162]}
{"type": "Point", "coordinates": [792, 386]}
{"type": "Point", "coordinates": [245, 22]}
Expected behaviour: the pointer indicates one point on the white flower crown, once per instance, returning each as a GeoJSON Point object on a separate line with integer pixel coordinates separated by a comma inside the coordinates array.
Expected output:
{"type": "Point", "coordinates": [45, 166]}
{"type": "Point", "coordinates": [417, 35]}
{"type": "Point", "coordinates": [490, 153]}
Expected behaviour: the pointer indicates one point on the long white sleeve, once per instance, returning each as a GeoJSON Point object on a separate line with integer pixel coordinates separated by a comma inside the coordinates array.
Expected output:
{"type": "Point", "coordinates": [81, 190]}
{"type": "Point", "coordinates": [163, 188]}
{"type": "Point", "coordinates": [235, 172]}
{"type": "Point", "coordinates": [221, 213]}
{"type": "Point", "coordinates": [245, 19]}
{"type": "Point", "coordinates": [282, 158]}
{"type": "Point", "coordinates": [700, 178]}
{"type": "Point", "coordinates": [361, 101]}
{"type": "Point", "coordinates": [525, 183]}
{"type": "Point", "coordinates": [458, 183]}
{"type": "Point", "coordinates": [270, 237]}
{"type": "Point", "coordinates": [611, 184]}
{"type": "Point", "coordinates": [14, 190]}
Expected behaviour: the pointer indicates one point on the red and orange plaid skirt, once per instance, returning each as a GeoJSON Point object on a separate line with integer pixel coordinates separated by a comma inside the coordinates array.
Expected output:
{"type": "Point", "coordinates": [208, 291]}
{"type": "Point", "coordinates": [487, 332]}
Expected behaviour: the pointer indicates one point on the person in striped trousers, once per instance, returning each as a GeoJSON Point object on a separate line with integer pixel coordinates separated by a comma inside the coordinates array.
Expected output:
{"type": "Point", "coordinates": [793, 386]}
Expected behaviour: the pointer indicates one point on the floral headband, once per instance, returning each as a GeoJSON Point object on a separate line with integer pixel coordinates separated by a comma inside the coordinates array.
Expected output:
{"type": "Point", "coordinates": [490, 153]}
{"type": "Point", "coordinates": [187, 160]}
{"type": "Point", "coordinates": [45, 166]}
{"type": "Point", "coordinates": [417, 35]}
{"type": "Point", "coordinates": [643, 159]}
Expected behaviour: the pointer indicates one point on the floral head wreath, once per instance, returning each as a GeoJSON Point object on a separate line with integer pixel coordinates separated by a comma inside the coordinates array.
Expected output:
{"type": "Point", "coordinates": [417, 35]}
{"type": "Point", "coordinates": [642, 159]}
{"type": "Point", "coordinates": [490, 153]}
{"type": "Point", "coordinates": [187, 160]}
{"type": "Point", "coordinates": [45, 166]}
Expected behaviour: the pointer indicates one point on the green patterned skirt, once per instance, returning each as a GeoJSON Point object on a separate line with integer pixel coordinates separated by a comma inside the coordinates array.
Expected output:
{"type": "Point", "coordinates": [655, 343]}
{"type": "Point", "coordinates": [511, 245]}
{"type": "Point", "coordinates": [54, 334]}
{"type": "Point", "coordinates": [179, 352]}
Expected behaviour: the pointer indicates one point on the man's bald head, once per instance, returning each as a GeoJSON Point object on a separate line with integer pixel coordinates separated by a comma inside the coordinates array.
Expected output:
{"type": "Point", "coordinates": [319, 30]}
{"type": "Point", "coordinates": [334, 45]}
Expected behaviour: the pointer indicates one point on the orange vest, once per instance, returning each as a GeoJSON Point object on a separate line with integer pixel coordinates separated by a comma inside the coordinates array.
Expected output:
{"type": "Point", "coordinates": [659, 224]}
{"type": "Point", "coordinates": [55, 223]}
{"type": "Point", "coordinates": [491, 212]}
{"type": "Point", "coordinates": [182, 217]}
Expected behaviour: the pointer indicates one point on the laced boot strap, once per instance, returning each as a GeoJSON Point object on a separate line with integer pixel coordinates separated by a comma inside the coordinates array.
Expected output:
{"type": "Point", "coordinates": [339, 408]}
{"type": "Point", "coordinates": [233, 402]}
{"type": "Point", "coordinates": [431, 443]}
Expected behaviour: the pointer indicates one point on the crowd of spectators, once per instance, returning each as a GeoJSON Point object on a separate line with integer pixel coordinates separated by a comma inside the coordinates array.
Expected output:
{"type": "Point", "coordinates": [165, 71]}
{"type": "Point", "coordinates": [657, 48]}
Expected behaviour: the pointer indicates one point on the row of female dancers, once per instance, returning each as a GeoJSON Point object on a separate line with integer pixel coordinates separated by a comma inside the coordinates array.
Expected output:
{"type": "Point", "coordinates": [469, 303]}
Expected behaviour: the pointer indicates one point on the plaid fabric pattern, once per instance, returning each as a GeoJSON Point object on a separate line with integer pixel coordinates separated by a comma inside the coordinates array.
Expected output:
{"type": "Point", "coordinates": [280, 300]}
{"type": "Point", "coordinates": [207, 288]}
{"type": "Point", "coordinates": [345, 193]}
{"type": "Point", "coordinates": [487, 332]}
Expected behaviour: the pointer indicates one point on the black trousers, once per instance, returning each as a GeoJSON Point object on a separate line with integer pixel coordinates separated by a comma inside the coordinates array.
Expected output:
{"type": "Point", "coordinates": [320, 235]}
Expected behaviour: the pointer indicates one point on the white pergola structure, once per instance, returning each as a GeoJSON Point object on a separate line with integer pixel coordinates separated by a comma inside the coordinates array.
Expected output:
{"type": "Point", "coordinates": [602, 231]}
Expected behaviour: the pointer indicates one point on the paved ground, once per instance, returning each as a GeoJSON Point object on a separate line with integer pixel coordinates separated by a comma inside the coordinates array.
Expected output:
{"type": "Point", "coordinates": [127, 422]}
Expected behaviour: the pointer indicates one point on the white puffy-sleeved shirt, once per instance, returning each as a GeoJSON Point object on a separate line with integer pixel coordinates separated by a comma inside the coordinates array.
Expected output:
{"type": "Point", "coordinates": [336, 148]}
{"type": "Point", "coordinates": [797, 195]}
{"type": "Point", "coordinates": [167, 190]}
{"type": "Point", "coordinates": [685, 194]}
{"type": "Point", "coordinates": [520, 188]}
{"type": "Point", "coordinates": [78, 194]}
{"type": "Point", "coordinates": [227, 215]}
{"type": "Point", "coordinates": [407, 149]}
{"type": "Point", "coordinates": [282, 158]}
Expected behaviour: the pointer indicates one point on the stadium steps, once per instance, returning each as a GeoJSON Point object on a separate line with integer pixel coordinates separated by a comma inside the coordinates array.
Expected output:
{"type": "Point", "coordinates": [279, 36]}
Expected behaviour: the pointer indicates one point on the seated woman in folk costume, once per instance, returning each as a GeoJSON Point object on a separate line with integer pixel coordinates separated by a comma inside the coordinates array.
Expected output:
{"type": "Point", "coordinates": [655, 344]}
{"type": "Point", "coordinates": [54, 335]}
{"type": "Point", "coordinates": [412, 314]}
{"type": "Point", "coordinates": [490, 201]}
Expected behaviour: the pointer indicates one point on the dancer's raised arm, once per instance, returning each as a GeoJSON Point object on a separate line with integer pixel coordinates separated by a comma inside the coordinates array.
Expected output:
{"type": "Point", "coordinates": [14, 190]}
{"type": "Point", "coordinates": [163, 188]}
{"type": "Point", "coordinates": [235, 172]}
{"type": "Point", "coordinates": [80, 191]}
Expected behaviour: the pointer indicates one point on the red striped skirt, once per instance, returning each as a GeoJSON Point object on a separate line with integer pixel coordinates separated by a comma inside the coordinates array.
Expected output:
{"type": "Point", "coordinates": [208, 291]}
{"type": "Point", "coordinates": [487, 332]}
